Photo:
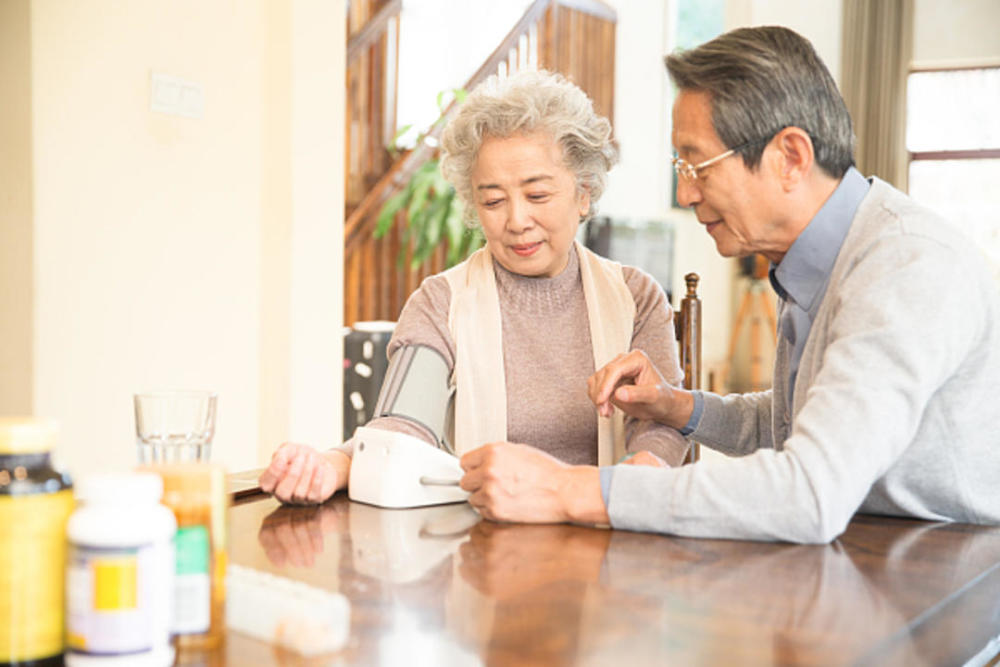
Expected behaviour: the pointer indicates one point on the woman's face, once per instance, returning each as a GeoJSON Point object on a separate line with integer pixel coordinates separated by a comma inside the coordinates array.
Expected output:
{"type": "Point", "coordinates": [527, 203]}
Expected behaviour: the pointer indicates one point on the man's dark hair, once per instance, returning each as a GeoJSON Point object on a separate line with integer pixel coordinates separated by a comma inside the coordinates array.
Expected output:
{"type": "Point", "coordinates": [762, 80]}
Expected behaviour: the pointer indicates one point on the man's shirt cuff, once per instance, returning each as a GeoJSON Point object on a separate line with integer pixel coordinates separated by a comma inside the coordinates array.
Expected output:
{"type": "Point", "coordinates": [606, 473]}
{"type": "Point", "coordinates": [699, 408]}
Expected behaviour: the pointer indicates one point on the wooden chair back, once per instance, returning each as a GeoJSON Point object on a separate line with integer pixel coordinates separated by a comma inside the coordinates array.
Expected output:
{"type": "Point", "coordinates": [687, 328]}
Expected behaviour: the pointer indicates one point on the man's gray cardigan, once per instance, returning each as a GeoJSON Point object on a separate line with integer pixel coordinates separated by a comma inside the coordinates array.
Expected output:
{"type": "Point", "coordinates": [896, 408]}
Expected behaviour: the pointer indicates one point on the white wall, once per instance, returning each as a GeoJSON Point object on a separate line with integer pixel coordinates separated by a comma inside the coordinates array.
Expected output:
{"type": "Point", "coordinates": [146, 226]}
{"type": "Point", "coordinates": [954, 33]}
{"type": "Point", "coordinates": [639, 186]}
{"type": "Point", "coordinates": [819, 21]}
{"type": "Point", "coordinates": [186, 252]}
{"type": "Point", "coordinates": [16, 233]}
{"type": "Point", "coordinates": [317, 240]}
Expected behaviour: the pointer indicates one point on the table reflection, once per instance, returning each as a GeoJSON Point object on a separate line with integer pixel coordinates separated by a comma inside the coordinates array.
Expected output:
{"type": "Point", "coordinates": [295, 535]}
{"type": "Point", "coordinates": [438, 586]}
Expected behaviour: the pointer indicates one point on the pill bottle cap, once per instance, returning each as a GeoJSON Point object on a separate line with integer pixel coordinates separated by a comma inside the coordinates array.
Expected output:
{"type": "Point", "coordinates": [119, 488]}
{"type": "Point", "coordinates": [27, 435]}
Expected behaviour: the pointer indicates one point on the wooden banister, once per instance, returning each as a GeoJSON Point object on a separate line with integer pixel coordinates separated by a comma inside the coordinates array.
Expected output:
{"type": "Point", "coordinates": [355, 221]}
{"type": "Point", "coordinates": [601, 10]}
{"type": "Point", "coordinates": [688, 329]}
{"type": "Point", "coordinates": [687, 326]}
{"type": "Point", "coordinates": [499, 55]}
{"type": "Point", "coordinates": [372, 30]}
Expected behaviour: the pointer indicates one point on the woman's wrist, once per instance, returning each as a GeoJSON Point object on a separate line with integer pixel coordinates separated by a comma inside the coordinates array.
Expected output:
{"type": "Point", "coordinates": [341, 462]}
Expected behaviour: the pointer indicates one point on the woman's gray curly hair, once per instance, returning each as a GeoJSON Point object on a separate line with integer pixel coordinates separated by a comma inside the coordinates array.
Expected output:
{"type": "Point", "coordinates": [525, 103]}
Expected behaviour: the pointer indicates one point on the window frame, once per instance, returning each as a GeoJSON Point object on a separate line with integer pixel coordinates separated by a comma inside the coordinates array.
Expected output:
{"type": "Point", "coordinates": [965, 154]}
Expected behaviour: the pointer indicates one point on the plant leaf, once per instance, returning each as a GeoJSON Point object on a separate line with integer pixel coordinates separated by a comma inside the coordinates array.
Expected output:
{"type": "Point", "coordinates": [435, 228]}
{"type": "Point", "coordinates": [430, 237]}
{"type": "Point", "coordinates": [418, 199]}
{"type": "Point", "coordinates": [455, 228]}
{"type": "Point", "coordinates": [472, 240]}
{"type": "Point", "coordinates": [388, 213]}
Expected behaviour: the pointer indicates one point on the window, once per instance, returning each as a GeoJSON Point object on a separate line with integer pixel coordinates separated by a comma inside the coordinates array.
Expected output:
{"type": "Point", "coordinates": [697, 22]}
{"type": "Point", "coordinates": [953, 136]}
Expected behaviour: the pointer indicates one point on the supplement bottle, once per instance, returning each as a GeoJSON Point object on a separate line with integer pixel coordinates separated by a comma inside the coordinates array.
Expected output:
{"type": "Point", "coordinates": [35, 503]}
{"type": "Point", "coordinates": [119, 578]}
{"type": "Point", "coordinates": [196, 492]}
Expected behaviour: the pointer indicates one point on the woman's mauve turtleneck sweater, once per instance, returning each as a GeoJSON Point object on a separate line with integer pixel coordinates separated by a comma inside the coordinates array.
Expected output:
{"type": "Point", "coordinates": [548, 358]}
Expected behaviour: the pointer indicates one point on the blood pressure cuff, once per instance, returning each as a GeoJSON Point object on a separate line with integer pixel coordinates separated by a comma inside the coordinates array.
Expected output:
{"type": "Point", "coordinates": [417, 387]}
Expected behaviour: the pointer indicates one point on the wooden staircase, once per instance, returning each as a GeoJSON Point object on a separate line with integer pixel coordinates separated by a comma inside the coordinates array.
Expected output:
{"type": "Point", "coordinates": [573, 37]}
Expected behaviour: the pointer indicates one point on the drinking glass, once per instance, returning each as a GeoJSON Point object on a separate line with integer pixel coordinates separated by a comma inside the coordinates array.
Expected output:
{"type": "Point", "coordinates": [174, 426]}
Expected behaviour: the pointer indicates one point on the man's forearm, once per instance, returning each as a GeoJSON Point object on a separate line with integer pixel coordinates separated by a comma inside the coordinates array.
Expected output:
{"type": "Point", "coordinates": [580, 495]}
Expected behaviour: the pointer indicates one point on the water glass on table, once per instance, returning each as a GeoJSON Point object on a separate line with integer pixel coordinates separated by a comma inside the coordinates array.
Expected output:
{"type": "Point", "coordinates": [174, 426]}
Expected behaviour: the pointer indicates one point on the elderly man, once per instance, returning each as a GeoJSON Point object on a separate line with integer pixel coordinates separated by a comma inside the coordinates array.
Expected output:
{"type": "Point", "coordinates": [887, 373]}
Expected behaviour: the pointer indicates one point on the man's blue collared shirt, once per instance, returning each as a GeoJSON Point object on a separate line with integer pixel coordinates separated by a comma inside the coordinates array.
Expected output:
{"type": "Point", "coordinates": [804, 272]}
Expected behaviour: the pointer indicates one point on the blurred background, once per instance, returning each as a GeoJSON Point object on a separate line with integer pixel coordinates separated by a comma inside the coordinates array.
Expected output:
{"type": "Point", "coordinates": [189, 190]}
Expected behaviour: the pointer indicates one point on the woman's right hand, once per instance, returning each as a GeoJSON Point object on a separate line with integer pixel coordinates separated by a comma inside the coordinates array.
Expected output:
{"type": "Point", "coordinates": [300, 475]}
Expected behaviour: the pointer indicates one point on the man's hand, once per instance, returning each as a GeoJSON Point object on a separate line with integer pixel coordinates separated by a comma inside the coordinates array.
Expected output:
{"type": "Point", "coordinates": [511, 482]}
{"type": "Point", "coordinates": [633, 383]}
{"type": "Point", "coordinates": [300, 475]}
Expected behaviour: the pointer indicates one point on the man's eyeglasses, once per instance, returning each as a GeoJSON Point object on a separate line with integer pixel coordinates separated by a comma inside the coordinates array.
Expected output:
{"type": "Point", "coordinates": [690, 171]}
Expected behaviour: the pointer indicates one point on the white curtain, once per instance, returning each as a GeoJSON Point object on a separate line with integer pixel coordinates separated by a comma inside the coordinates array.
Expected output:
{"type": "Point", "coordinates": [877, 49]}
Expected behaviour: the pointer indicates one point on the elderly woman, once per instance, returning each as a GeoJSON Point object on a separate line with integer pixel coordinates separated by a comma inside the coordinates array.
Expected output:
{"type": "Point", "coordinates": [526, 320]}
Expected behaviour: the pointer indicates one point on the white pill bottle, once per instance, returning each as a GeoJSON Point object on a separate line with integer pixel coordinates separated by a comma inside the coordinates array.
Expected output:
{"type": "Point", "coordinates": [119, 573]}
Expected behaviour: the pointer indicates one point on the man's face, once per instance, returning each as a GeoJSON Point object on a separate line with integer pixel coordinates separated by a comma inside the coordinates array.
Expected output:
{"type": "Point", "coordinates": [735, 204]}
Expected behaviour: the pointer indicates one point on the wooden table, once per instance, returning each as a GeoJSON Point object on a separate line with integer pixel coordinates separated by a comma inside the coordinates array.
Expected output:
{"type": "Point", "coordinates": [438, 586]}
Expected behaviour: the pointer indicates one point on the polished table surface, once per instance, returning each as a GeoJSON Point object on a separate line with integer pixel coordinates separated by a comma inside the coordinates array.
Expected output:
{"type": "Point", "coordinates": [439, 586]}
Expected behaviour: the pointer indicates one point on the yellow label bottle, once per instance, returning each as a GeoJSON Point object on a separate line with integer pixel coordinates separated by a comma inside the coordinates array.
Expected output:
{"type": "Point", "coordinates": [35, 504]}
{"type": "Point", "coordinates": [119, 574]}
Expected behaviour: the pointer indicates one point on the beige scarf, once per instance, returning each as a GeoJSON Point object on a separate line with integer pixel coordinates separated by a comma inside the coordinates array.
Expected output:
{"type": "Point", "coordinates": [474, 322]}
